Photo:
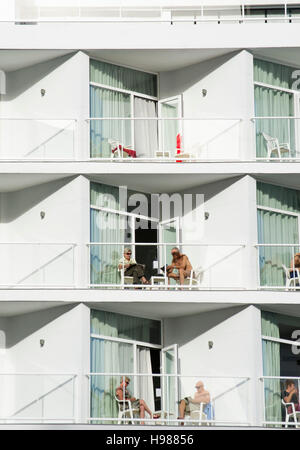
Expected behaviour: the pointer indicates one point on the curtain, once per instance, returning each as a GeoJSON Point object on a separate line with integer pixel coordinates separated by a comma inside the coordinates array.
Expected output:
{"type": "Point", "coordinates": [111, 357]}
{"type": "Point", "coordinates": [125, 327]}
{"type": "Point", "coordinates": [169, 128]}
{"type": "Point", "coordinates": [273, 102]}
{"type": "Point", "coordinates": [271, 367]}
{"type": "Point", "coordinates": [276, 228]}
{"type": "Point", "coordinates": [105, 227]}
{"type": "Point", "coordinates": [145, 131]}
{"type": "Point", "coordinates": [108, 103]}
{"type": "Point", "coordinates": [123, 78]}
{"type": "Point", "coordinates": [145, 384]}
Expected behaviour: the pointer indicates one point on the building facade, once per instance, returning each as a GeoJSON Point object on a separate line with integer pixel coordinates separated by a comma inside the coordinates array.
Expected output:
{"type": "Point", "coordinates": [147, 126]}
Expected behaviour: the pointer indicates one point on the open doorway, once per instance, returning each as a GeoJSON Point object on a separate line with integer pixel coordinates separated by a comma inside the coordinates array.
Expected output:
{"type": "Point", "coordinates": [146, 254]}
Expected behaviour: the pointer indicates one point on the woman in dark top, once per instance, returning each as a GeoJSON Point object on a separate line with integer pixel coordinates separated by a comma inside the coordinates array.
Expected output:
{"type": "Point", "coordinates": [290, 395]}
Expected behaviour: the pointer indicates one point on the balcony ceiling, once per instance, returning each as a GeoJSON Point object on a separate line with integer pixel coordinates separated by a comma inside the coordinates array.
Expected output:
{"type": "Point", "coordinates": [152, 60]}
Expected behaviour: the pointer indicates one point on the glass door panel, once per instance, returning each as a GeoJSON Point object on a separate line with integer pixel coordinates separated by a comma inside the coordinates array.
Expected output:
{"type": "Point", "coordinates": [170, 130]}
{"type": "Point", "coordinates": [170, 383]}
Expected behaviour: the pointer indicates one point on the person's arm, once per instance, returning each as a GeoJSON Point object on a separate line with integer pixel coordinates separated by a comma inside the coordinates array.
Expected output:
{"type": "Point", "coordinates": [288, 398]}
{"type": "Point", "coordinates": [119, 393]}
{"type": "Point", "coordinates": [188, 265]}
{"type": "Point", "coordinates": [122, 264]}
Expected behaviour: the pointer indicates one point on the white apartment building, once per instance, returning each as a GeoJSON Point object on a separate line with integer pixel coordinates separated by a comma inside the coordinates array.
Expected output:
{"type": "Point", "coordinates": [148, 125]}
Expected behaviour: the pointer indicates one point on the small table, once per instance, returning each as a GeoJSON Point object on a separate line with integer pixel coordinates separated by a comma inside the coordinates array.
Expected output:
{"type": "Point", "coordinates": [159, 279]}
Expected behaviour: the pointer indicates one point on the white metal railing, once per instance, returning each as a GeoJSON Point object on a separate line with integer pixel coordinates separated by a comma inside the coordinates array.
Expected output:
{"type": "Point", "coordinates": [173, 139]}
{"type": "Point", "coordinates": [229, 398]}
{"type": "Point", "coordinates": [215, 266]}
{"type": "Point", "coordinates": [272, 388]}
{"type": "Point", "coordinates": [32, 139]}
{"type": "Point", "coordinates": [155, 11]}
{"type": "Point", "coordinates": [276, 266]}
{"type": "Point", "coordinates": [36, 264]}
{"type": "Point", "coordinates": [38, 397]}
{"type": "Point", "coordinates": [277, 138]}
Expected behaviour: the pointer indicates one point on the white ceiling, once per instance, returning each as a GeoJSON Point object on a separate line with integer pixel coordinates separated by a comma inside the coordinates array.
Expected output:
{"type": "Point", "coordinates": [12, 308]}
{"type": "Point", "coordinates": [152, 60]}
{"type": "Point", "coordinates": [10, 182]}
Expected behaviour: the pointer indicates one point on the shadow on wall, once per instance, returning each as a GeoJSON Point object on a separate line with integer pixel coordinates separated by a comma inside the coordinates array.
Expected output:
{"type": "Point", "coordinates": [209, 320]}
{"type": "Point", "coordinates": [191, 75]}
{"type": "Point", "coordinates": [20, 327]}
{"type": "Point", "coordinates": [18, 81]}
{"type": "Point", "coordinates": [16, 203]}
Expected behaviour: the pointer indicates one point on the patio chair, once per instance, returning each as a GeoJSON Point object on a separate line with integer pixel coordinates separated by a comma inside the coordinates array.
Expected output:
{"type": "Point", "coordinates": [194, 280]}
{"type": "Point", "coordinates": [124, 278]}
{"type": "Point", "coordinates": [294, 414]}
{"type": "Point", "coordinates": [119, 151]}
{"type": "Point", "coordinates": [126, 410]}
{"type": "Point", "coordinates": [202, 415]}
{"type": "Point", "coordinates": [291, 281]}
{"type": "Point", "coordinates": [273, 145]}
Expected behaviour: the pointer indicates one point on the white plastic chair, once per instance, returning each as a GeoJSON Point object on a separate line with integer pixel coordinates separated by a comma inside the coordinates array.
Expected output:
{"type": "Point", "coordinates": [116, 151]}
{"type": "Point", "coordinates": [273, 145]}
{"type": "Point", "coordinates": [198, 416]}
{"type": "Point", "coordinates": [125, 410]}
{"type": "Point", "coordinates": [124, 278]}
{"type": "Point", "coordinates": [291, 281]}
{"type": "Point", "coordinates": [194, 280]}
{"type": "Point", "coordinates": [293, 414]}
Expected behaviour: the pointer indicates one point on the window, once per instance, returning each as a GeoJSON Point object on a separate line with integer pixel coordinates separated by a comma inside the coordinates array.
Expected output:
{"type": "Point", "coordinates": [276, 105]}
{"type": "Point", "coordinates": [278, 211]}
{"type": "Point", "coordinates": [281, 360]}
{"type": "Point", "coordinates": [117, 95]}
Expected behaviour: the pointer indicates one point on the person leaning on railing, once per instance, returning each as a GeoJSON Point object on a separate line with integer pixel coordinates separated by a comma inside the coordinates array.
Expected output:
{"type": "Point", "coordinates": [122, 393]}
{"type": "Point", "coordinates": [132, 268]}
{"type": "Point", "coordinates": [180, 267]}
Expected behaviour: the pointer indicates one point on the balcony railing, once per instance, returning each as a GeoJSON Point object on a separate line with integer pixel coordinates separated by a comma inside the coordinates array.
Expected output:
{"type": "Point", "coordinates": [272, 399]}
{"type": "Point", "coordinates": [277, 138]}
{"type": "Point", "coordinates": [174, 139]}
{"type": "Point", "coordinates": [276, 266]}
{"type": "Point", "coordinates": [37, 139]}
{"type": "Point", "coordinates": [215, 266]}
{"type": "Point", "coordinates": [42, 265]}
{"type": "Point", "coordinates": [155, 11]}
{"type": "Point", "coordinates": [229, 399]}
{"type": "Point", "coordinates": [38, 398]}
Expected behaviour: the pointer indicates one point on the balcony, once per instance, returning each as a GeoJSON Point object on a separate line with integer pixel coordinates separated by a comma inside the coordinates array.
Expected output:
{"type": "Point", "coordinates": [170, 12]}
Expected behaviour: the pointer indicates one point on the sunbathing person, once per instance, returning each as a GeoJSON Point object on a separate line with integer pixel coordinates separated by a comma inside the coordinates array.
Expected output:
{"type": "Point", "coordinates": [131, 268]}
{"type": "Point", "coordinates": [189, 404]}
{"type": "Point", "coordinates": [122, 393]}
{"type": "Point", "coordinates": [180, 268]}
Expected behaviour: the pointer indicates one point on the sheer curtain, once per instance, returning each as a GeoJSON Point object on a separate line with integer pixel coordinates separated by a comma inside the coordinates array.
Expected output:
{"type": "Point", "coordinates": [145, 384]}
{"type": "Point", "coordinates": [111, 357]}
{"type": "Point", "coordinates": [145, 131]}
{"type": "Point", "coordinates": [169, 128]}
{"type": "Point", "coordinates": [271, 367]}
{"type": "Point", "coordinates": [276, 228]}
{"type": "Point", "coordinates": [108, 103]}
{"type": "Point", "coordinates": [273, 102]}
{"type": "Point", "coordinates": [105, 227]}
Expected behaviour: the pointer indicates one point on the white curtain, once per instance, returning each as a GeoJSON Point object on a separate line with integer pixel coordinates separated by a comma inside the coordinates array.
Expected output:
{"type": "Point", "coordinates": [145, 131]}
{"type": "Point", "coordinates": [145, 384]}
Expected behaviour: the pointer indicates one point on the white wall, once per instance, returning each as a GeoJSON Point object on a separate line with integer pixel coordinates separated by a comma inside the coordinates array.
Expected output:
{"type": "Point", "coordinates": [66, 84]}
{"type": "Point", "coordinates": [66, 206]}
{"type": "Point", "coordinates": [228, 81]}
{"type": "Point", "coordinates": [231, 205]}
{"type": "Point", "coordinates": [65, 331]}
{"type": "Point", "coordinates": [236, 352]}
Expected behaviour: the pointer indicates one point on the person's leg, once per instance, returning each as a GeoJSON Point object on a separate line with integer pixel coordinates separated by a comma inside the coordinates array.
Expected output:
{"type": "Point", "coordinates": [140, 273]}
{"type": "Point", "coordinates": [145, 408]}
{"type": "Point", "coordinates": [136, 279]}
{"type": "Point", "coordinates": [142, 413]}
{"type": "Point", "coordinates": [182, 406]}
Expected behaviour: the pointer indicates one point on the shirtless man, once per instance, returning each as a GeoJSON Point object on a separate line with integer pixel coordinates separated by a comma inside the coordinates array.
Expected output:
{"type": "Point", "coordinates": [180, 268]}
{"type": "Point", "coordinates": [189, 404]}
